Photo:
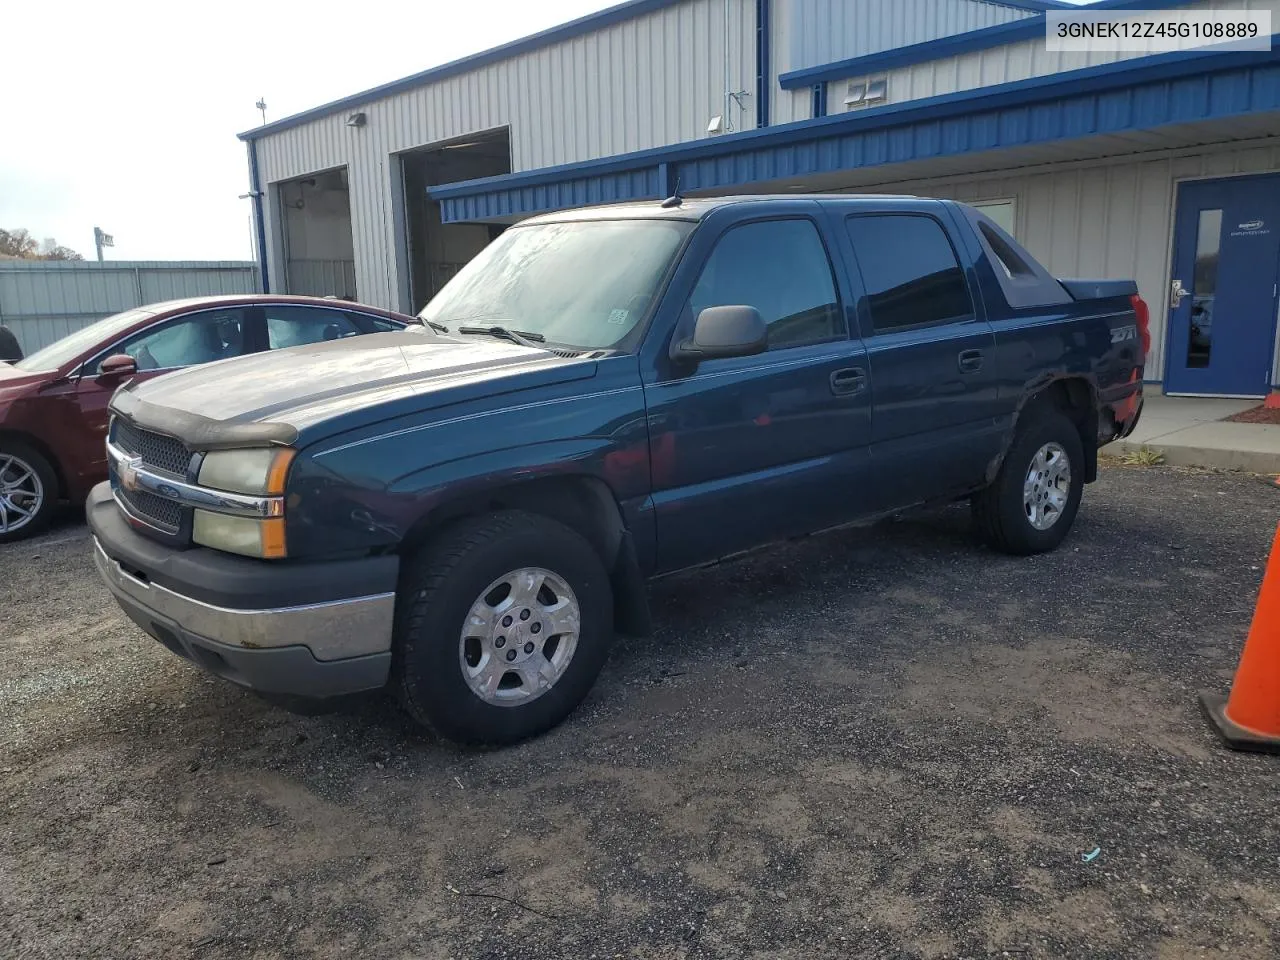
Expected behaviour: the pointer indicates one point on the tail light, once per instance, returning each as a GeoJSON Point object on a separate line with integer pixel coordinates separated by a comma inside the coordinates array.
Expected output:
{"type": "Point", "coordinates": [1143, 315]}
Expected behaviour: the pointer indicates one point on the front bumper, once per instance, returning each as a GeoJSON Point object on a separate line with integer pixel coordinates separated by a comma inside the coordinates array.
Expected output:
{"type": "Point", "coordinates": [298, 630]}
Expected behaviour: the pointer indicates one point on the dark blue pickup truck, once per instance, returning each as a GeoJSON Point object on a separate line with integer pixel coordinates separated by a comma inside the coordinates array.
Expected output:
{"type": "Point", "coordinates": [468, 512]}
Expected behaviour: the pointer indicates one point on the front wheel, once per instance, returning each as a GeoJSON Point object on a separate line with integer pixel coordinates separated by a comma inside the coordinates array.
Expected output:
{"type": "Point", "coordinates": [1033, 502]}
{"type": "Point", "coordinates": [28, 492]}
{"type": "Point", "coordinates": [503, 624]}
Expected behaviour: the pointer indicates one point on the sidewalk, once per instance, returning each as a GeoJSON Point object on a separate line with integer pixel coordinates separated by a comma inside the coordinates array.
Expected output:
{"type": "Point", "coordinates": [1189, 432]}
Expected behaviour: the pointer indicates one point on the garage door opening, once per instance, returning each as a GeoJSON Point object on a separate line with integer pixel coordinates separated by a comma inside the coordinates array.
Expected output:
{"type": "Point", "coordinates": [318, 250]}
{"type": "Point", "coordinates": [439, 250]}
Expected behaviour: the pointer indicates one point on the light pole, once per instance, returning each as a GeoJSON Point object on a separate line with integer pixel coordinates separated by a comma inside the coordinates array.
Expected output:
{"type": "Point", "coordinates": [101, 240]}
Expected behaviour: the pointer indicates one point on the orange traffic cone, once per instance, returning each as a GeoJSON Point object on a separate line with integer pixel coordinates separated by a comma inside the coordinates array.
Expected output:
{"type": "Point", "coordinates": [1250, 718]}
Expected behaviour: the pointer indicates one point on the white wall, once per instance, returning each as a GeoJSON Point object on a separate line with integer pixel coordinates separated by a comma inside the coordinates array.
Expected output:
{"type": "Point", "coordinates": [318, 219]}
{"type": "Point", "coordinates": [1105, 219]}
{"type": "Point", "coordinates": [810, 33]}
{"type": "Point", "coordinates": [649, 81]}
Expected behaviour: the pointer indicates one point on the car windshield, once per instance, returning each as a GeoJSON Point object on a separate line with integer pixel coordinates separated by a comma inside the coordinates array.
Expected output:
{"type": "Point", "coordinates": [73, 345]}
{"type": "Point", "coordinates": [585, 284]}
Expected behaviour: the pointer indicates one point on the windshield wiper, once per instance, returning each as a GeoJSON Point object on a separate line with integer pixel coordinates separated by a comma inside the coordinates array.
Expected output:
{"type": "Point", "coordinates": [515, 336]}
{"type": "Point", "coordinates": [435, 325]}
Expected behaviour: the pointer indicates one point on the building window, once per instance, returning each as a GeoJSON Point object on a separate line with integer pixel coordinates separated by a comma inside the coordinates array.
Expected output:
{"type": "Point", "coordinates": [1003, 212]}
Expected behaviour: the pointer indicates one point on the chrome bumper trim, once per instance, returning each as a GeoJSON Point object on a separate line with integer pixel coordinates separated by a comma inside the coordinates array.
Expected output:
{"type": "Point", "coordinates": [331, 631]}
{"type": "Point", "coordinates": [132, 475]}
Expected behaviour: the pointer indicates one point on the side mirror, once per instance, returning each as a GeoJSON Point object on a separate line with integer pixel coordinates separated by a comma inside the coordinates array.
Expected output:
{"type": "Point", "coordinates": [729, 331]}
{"type": "Point", "coordinates": [118, 365]}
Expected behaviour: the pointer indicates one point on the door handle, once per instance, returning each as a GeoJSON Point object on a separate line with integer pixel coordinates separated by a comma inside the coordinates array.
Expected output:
{"type": "Point", "coordinates": [848, 381]}
{"type": "Point", "coordinates": [1176, 292]}
{"type": "Point", "coordinates": [969, 361]}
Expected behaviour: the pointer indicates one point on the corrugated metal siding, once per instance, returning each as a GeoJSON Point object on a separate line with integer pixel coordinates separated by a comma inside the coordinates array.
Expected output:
{"type": "Point", "coordinates": [653, 80]}
{"type": "Point", "coordinates": [986, 68]}
{"type": "Point", "coordinates": [809, 33]}
{"type": "Point", "coordinates": [1105, 219]}
{"type": "Point", "coordinates": [824, 31]}
{"type": "Point", "coordinates": [43, 301]}
{"type": "Point", "coordinates": [323, 278]}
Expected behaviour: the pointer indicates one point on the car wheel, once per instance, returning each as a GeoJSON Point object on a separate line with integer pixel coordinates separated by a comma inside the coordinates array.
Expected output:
{"type": "Point", "coordinates": [28, 492]}
{"type": "Point", "coordinates": [1033, 502]}
{"type": "Point", "coordinates": [503, 624]}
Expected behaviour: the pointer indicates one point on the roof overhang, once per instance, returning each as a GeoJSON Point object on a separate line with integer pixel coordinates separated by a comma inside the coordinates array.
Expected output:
{"type": "Point", "coordinates": [1130, 95]}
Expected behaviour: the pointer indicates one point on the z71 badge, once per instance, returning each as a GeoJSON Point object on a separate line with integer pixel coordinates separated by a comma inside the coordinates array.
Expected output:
{"type": "Point", "coordinates": [1121, 334]}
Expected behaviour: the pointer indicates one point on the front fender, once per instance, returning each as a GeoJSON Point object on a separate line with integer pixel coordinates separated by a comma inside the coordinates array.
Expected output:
{"type": "Point", "coordinates": [368, 495]}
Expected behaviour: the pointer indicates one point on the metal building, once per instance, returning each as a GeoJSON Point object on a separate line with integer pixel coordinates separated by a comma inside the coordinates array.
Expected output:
{"type": "Point", "coordinates": [1163, 167]}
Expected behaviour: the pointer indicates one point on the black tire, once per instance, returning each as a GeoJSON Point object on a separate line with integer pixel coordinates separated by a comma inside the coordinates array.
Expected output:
{"type": "Point", "coordinates": [437, 591]}
{"type": "Point", "coordinates": [999, 511]}
{"type": "Point", "coordinates": [25, 458]}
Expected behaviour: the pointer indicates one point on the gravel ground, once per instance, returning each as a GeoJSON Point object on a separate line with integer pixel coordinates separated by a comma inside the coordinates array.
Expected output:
{"type": "Point", "coordinates": [886, 743]}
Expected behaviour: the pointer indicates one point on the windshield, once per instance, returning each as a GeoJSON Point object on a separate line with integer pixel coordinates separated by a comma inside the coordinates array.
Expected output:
{"type": "Point", "coordinates": [585, 284]}
{"type": "Point", "coordinates": [69, 347]}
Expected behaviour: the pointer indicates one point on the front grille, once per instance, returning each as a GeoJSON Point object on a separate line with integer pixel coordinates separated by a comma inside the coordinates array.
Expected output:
{"type": "Point", "coordinates": [155, 449]}
{"type": "Point", "coordinates": [157, 510]}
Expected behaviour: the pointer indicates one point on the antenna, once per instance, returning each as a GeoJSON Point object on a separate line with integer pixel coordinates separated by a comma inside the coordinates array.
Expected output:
{"type": "Point", "coordinates": [675, 199]}
{"type": "Point", "coordinates": [262, 105]}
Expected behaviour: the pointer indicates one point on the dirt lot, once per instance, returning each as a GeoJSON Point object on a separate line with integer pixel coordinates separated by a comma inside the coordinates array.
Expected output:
{"type": "Point", "coordinates": [876, 743]}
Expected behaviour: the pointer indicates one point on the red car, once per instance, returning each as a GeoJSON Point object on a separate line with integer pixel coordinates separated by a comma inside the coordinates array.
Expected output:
{"type": "Point", "coordinates": [53, 404]}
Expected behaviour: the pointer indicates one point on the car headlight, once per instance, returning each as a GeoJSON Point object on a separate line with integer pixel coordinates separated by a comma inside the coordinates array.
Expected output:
{"type": "Point", "coordinates": [259, 471]}
{"type": "Point", "coordinates": [254, 472]}
{"type": "Point", "coordinates": [244, 535]}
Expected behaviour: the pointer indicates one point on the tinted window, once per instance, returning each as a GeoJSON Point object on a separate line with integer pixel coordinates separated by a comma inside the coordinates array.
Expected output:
{"type": "Point", "coordinates": [909, 270]}
{"type": "Point", "coordinates": [376, 324]}
{"type": "Point", "coordinates": [293, 326]}
{"type": "Point", "coordinates": [780, 267]}
{"type": "Point", "coordinates": [199, 338]}
{"type": "Point", "coordinates": [1008, 259]}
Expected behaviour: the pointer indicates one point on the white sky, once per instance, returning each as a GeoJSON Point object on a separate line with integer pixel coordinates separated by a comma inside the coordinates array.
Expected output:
{"type": "Point", "coordinates": [123, 114]}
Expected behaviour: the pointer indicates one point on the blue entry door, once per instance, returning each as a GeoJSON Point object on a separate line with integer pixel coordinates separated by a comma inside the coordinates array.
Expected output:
{"type": "Point", "coordinates": [1222, 305]}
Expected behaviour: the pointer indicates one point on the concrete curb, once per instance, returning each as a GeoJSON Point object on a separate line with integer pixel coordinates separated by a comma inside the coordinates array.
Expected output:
{"type": "Point", "coordinates": [1186, 455]}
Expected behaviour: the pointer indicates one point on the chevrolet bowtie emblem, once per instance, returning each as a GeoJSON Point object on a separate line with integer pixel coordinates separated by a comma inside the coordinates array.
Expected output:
{"type": "Point", "coordinates": [129, 474]}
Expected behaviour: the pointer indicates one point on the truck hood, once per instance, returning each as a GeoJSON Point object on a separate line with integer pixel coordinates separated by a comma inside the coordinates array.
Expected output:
{"type": "Point", "coordinates": [273, 397]}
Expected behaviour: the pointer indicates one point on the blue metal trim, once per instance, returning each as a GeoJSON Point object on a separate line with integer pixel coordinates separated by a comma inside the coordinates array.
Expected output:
{"type": "Point", "coordinates": [668, 180]}
{"type": "Point", "coordinates": [764, 65]}
{"type": "Point", "coordinates": [1036, 6]}
{"type": "Point", "coordinates": [1103, 76]}
{"type": "Point", "coordinates": [1169, 88]}
{"type": "Point", "coordinates": [819, 99]}
{"type": "Point", "coordinates": [957, 43]}
{"type": "Point", "coordinates": [255, 187]}
{"type": "Point", "coordinates": [565, 31]}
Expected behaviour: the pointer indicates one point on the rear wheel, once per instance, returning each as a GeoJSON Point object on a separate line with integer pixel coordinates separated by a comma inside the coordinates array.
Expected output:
{"type": "Point", "coordinates": [28, 492]}
{"type": "Point", "coordinates": [504, 623]}
{"type": "Point", "coordinates": [1033, 502]}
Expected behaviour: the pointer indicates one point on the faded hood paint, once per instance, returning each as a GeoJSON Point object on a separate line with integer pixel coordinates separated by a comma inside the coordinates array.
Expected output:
{"type": "Point", "coordinates": [274, 397]}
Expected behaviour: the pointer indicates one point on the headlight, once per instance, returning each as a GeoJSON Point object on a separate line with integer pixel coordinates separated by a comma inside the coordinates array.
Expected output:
{"type": "Point", "coordinates": [243, 535]}
{"type": "Point", "coordinates": [259, 471]}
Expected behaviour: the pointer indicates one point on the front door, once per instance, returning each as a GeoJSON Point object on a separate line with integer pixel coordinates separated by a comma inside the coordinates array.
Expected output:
{"type": "Point", "coordinates": [1222, 304]}
{"type": "Point", "coordinates": [172, 344]}
{"type": "Point", "coordinates": [747, 450]}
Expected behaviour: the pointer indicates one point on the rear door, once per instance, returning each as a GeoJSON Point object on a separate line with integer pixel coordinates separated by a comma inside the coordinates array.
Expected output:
{"type": "Point", "coordinates": [931, 355]}
{"type": "Point", "coordinates": [750, 449]}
